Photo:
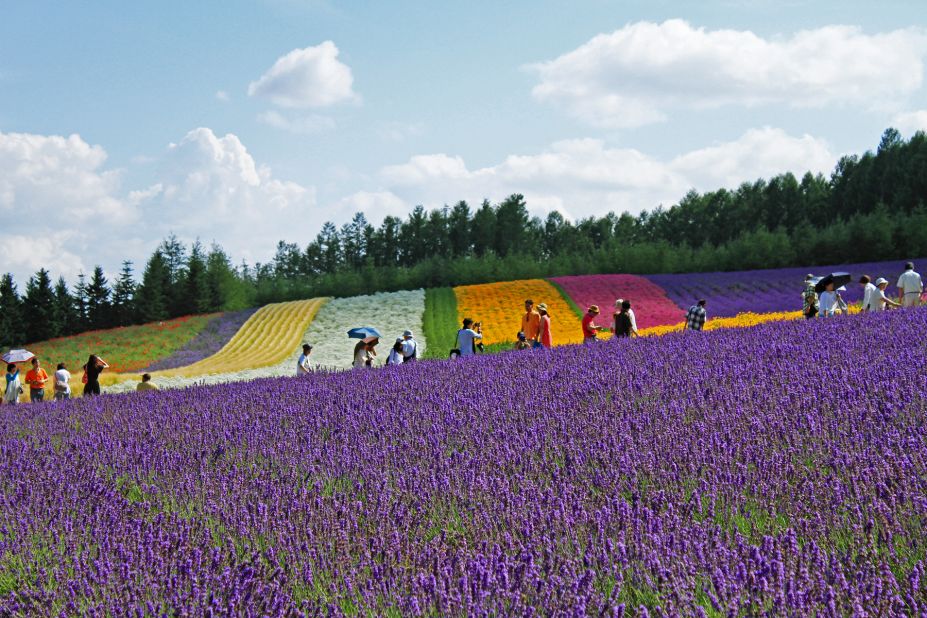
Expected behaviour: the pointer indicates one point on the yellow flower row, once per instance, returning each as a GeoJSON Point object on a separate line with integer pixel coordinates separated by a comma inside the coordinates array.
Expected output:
{"type": "Point", "coordinates": [741, 320]}
{"type": "Point", "coordinates": [500, 307]}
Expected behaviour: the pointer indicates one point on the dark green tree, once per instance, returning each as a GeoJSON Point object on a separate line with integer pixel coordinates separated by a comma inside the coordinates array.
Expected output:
{"type": "Point", "coordinates": [12, 327]}
{"type": "Point", "coordinates": [38, 308]}
{"type": "Point", "coordinates": [123, 309]}
{"type": "Point", "coordinates": [65, 311]}
{"type": "Point", "coordinates": [98, 300]}
{"type": "Point", "coordinates": [152, 299]}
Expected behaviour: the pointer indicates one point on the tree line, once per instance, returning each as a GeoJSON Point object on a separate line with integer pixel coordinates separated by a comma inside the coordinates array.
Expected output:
{"type": "Point", "coordinates": [871, 207]}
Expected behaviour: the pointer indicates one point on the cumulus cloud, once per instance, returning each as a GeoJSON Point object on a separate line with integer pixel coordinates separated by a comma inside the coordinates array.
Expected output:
{"type": "Point", "coordinates": [911, 122]}
{"type": "Point", "coordinates": [306, 78]}
{"type": "Point", "coordinates": [635, 75]}
{"type": "Point", "coordinates": [223, 96]}
{"type": "Point", "coordinates": [304, 125]}
{"type": "Point", "coordinates": [583, 177]}
{"type": "Point", "coordinates": [63, 210]}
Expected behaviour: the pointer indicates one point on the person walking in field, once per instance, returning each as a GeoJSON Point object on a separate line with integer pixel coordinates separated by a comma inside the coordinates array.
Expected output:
{"type": "Point", "coordinates": [696, 316]}
{"type": "Point", "coordinates": [92, 370]}
{"type": "Point", "coordinates": [545, 335]}
{"type": "Point", "coordinates": [590, 329]}
{"type": "Point", "coordinates": [625, 323]}
{"type": "Point", "coordinates": [62, 383]}
{"type": "Point", "coordinates": [409, 347]}
{"type": "Point", "coordinates": [878, 301]}
{"type": "Point", "coordinates": [467, 337]}
{"type": "Point", "coordinates": [146, 384]}
{"type": "Point", "coordinates": [868, 289]}
{"type": "Point", "coordinates": [810, 302]}
{"type": "Point", "coordinates": [910, 286]}
{"type": "Point", "coordinates": [531, 323]}
{"type": "Point", "coordinates": [365, 352]}
{"type": "Point", "coordinates": [303, 366]}
{"type": "Point", "coordinates": [36, 379]}
{"type": "Point", "coordinates": [13, 386]}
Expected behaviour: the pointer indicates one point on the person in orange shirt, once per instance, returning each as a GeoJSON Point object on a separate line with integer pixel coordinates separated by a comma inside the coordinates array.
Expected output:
{"type": "Point", "coordinates": [531, 323]}
{"type": "Point", "coordinates": [36, 379]}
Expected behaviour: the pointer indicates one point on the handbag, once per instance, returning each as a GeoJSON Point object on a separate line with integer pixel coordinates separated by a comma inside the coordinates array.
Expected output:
{"type": "Point", "coordinates": [83, 379]}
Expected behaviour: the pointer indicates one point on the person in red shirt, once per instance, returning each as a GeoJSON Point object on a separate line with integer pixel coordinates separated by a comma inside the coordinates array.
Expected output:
{"type": "Point", "coordinates": [547, 339]}
{"type": "Point", "coordinates": [36, 379]}
{"type": "Point", "coordinates": [590, 329]}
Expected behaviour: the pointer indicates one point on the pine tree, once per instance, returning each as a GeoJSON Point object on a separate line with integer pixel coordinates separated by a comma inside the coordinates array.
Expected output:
{"type": "Point", "coordinates": [98, 303]}
{"type": "Point", "coordinates": [38, 308]}
{"type": "Point", "coordinates": [12, 328]}
{"type": "Point", "coordinates": [123, 312]}
{"type": "Point", "coordinates": [64, 310]}
{"type": "Point", "coordinates": [175, 257]}
{"type": "Point", "coordinates": [151, 299]}
{"type": "Point", "coordinates": [226, 291]}
{"type": "Point", "coordinates": [81, 304]}
{"type": "Point", "coordinates": [195, 297]}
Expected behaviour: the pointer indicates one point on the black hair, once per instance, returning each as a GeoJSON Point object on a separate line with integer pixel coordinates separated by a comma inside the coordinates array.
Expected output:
{"type": "Point", "coordinates": [62, 366]}
{"type": "Point", "coordinates": [11, 367]}
{"type": "Point", "coordinates": [625, 304]}
{"type": "Point", "coordinates": [864, 279]}
{"type": "Point", "coordinates": [701, 302]}
{"type": "Point", "coordinates": [146, 377]}
{"type": "Point", "coordinates": [467, 322]}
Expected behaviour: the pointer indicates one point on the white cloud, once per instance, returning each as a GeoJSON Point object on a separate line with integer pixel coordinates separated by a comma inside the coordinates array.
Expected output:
{"type": "Point", "coordinates": [400, 131]}
{"type": "Point", "coordinates": [63, 210]}
{"type": "Point", "coordinates": [583, 177]}
{"type": "Point", "coordinates": [223, 96]}
{"type": "Point", "coordinates": [309, 77]}
{"type": "Point", "coordinates": [911, 122]}
{"type": "Point", "coordinates": [637, 74]}
{"type": "Point", "coordinates": [304, 125]}
{"type": "Point", "coordinates": [374, 204]}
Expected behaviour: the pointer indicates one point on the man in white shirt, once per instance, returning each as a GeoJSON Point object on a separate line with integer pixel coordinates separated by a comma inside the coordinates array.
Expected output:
{"type": "Point", "coordinates": [303, 366]}
{"type": "Point", "coordinates": [409, 347]}
{"type": "Point", "coordinates": [868, 289]}
{"type": "Point", "coordinates": [466, 337]}
{"type": "Point", "coordinates": [910, 286]}
{"type": "Point", "coordinates": [878, 299]}
{"type": "Point", "coordinates": [62, 386]}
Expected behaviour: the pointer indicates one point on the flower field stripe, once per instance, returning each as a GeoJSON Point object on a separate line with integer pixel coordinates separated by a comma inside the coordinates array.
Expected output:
{"type": "Point", "coordinates": [650, 303]}
{"type": "Point", "coordinates": [217, 332]}
{"type": "Point", "coordinates": [579, 311]}
{"type": "Point", "coordinates": [439, 322]}
{"type": "Point", "coordinates": [390, 313]}
{"type": "Point", "coordinates": [741, 472]}
{"type": "Point", "coordinates": [268, 337]}
{"type": "Point", "coordinates": [500, 307]}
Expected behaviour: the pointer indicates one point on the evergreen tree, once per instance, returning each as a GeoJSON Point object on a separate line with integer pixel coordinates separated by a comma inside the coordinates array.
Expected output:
{"type": "Point", "coordinates": [151, 300]}
{"type": "Point", "coordinates": [38, 308]}
{"type": "Point", "coordinates": [64, 310]}
{"type": "Point", "coordinates": [12, 328]}
{"type": "Point", "coordinates": [195, 297]}
{"type": "Point", "coordinates": [459, 229]}
{"type": "Point", "coordinates": [81, 303]}
{"type": "Point", "coordinates": [98, 302]}
{"type": "Point", "coordinates": [123, 312]}
{"type": "Point", "coordinates": [225, 289]}
{"type": "Point", "coordinates": [483, 232]}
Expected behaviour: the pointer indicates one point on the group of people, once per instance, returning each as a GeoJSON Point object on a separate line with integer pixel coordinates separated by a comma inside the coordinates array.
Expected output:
{"type": "Point", "coordinates": [404, 350]}
{"type": "Point", "coordinates": [37, 380]}
{"type": "Point", "coordinates": [830, 303]}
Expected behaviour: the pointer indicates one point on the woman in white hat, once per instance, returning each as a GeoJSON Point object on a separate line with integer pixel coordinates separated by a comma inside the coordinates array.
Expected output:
{"type": "Point", "coordinates": [877, 298]}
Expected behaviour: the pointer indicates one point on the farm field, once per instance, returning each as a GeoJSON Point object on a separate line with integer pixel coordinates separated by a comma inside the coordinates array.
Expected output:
{"type": "Point", "coordinates": [655, 476]}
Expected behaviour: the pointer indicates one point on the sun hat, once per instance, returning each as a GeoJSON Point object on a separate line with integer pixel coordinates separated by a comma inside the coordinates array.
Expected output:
{"type": "Point", "coordinates": [407, 333]}
{"type": "Point", "coordinates": [594, 308]}
{"type": "Point", "coordinates": [880, 281]}
{"type": "Point", "coordinates": [542, 307]}
{"type": "Point", "coordinates": [618, 302]}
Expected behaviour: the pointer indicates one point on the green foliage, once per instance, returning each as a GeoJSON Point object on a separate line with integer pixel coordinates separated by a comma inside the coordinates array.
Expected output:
{"type": "Point", "coordinates": [440, 322]}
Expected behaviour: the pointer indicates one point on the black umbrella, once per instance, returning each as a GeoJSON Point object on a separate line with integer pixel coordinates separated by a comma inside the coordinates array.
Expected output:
{"type": "Point", "coordinates": [837, 279]}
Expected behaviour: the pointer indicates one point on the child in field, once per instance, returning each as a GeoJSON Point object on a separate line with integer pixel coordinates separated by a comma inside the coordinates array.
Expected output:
{"type": "Point", "coordinates": [522, 343]}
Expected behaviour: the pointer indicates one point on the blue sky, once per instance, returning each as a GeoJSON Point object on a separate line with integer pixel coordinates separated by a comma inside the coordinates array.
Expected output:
{"type": "Point", "coordinates": [246, 122]}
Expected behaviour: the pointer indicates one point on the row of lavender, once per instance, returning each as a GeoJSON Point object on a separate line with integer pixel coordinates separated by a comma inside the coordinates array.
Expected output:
{"type": "Point", "coordinates": [677, 476]}
{"type": "Point", "coordinates": [763, 291]}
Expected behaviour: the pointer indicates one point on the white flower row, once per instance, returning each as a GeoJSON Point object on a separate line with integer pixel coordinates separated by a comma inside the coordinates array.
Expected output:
{"type": "Point", "coordinates": [390, 313]}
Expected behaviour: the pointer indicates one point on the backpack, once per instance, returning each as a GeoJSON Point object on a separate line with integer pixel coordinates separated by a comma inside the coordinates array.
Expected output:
{"type": "Point", "coordinates": [622, 324]}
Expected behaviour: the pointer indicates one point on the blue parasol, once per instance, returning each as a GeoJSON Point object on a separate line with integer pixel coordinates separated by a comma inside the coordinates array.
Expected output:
{"type": "Point", "coordinates": [363, 332]}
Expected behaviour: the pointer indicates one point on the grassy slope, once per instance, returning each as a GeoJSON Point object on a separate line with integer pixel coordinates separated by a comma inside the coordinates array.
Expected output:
{"type": "Point", "coordinates": [440, 322]}
{"type": "Point", "coordinates": [576, 309]}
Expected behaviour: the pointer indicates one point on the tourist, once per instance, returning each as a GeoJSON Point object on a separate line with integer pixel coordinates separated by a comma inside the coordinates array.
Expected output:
{"type": "Point", "coordinates": [467, 337]}
{"type": "Point", "coordinates": [828, 301]}
{"type": "Point", "coordinates": [13, 387]}
{"type": "Point", "coordinates": [696, 316]}
{"type": "Point", "coordinates": [522, 343]}
{"type": "Point", "coordinates": [910, 286]}
{"type": "Point", "coordinates": [62, 382]}
{"type": "Point", "coordinates": [36, 379]}
{"type": "Point", "coordinates": [92, 370]}
{"type": "Point", "coordinates": [478, 345]}
{"type": "Point", "coordinates": [878, 300]}
{"type": "Point", "coordinates": [810, 302]}
{"type": "Point", "coordinates": [395, 355]}
{"type": "Point", "coordinates": [625, 324]}
{"type": "Point", "coordinates": [590, 329]}
{"type": "Point", "coordinates": [868, 289]}
{"type": "Point", "coordinates": [531, 323]}
{"type": "Point", "coordinates": [303, 366]}
{"type": "Point", "coordinates": [545, 335]}
{"type": "Point", "coordinates": [365, 352]}
{"type": "Point", "coordinates": [409, 347]}
{"type": "Point", "coordinates": [146, 384]}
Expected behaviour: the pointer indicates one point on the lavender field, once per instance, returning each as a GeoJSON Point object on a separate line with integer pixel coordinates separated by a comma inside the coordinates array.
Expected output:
{"type": "Point", "coordinates": [665, 476]}
{"type": "Point", "coordinates": [762, 291]}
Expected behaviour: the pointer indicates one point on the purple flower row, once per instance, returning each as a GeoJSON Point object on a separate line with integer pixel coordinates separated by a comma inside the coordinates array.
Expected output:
{"type": "Point", "coordinates": [737, 472]}
{"type": "Point", "coordinates": [207, 342]}
{"type": "Point", "coordinates": [763, 291]}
